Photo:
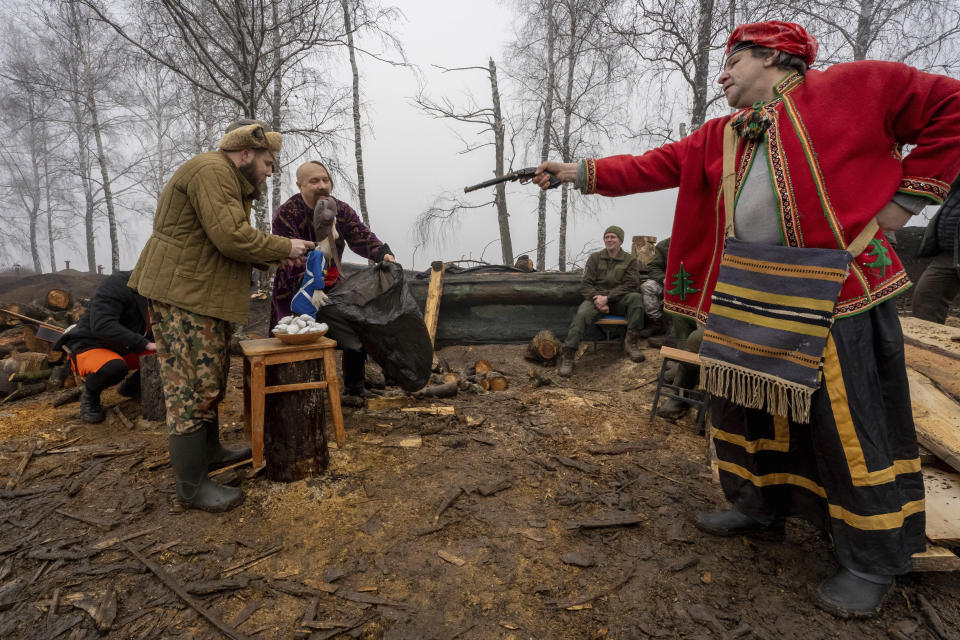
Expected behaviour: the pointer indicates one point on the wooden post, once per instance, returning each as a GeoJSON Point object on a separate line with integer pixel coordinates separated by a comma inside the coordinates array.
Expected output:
{"type": "Point", "coordinates": [68, 265]}
{"type": "Point", "coordinates": [152, 404]}
{"type": "Point", "coordinates": [431, 312]}
{"type": "Point", "coordinates": [294, 439]}
{"type": "Point", "coordinates": [643, 249]}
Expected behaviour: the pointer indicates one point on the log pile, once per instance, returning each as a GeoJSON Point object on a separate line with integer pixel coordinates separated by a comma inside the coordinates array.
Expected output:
{"type": "Point", "coordinates": [28, 364]}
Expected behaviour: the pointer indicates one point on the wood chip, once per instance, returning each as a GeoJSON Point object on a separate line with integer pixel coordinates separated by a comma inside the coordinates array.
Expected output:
{"type": "Point", "coordinates": [436, 410]}
{"type": "Point", "coordinates": [452, 559]}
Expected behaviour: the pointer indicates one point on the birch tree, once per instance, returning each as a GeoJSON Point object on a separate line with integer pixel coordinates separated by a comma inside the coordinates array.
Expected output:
{"type": "Point", "coordinates": [922, 33]}
{"type": "Point", "coordinates": [491, 121]}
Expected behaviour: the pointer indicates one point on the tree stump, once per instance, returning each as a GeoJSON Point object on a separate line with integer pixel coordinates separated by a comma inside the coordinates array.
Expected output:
{"type": "Point", "coordinates": [152, 405]}
{"type": "Point", "coordinates": [294, 438]}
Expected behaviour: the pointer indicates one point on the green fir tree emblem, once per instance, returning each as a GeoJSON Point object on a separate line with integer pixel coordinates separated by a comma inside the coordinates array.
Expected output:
{"type": "Point", "coordinates": [682, 284]}
{"type": "Point", "coordinates": [882, 260]}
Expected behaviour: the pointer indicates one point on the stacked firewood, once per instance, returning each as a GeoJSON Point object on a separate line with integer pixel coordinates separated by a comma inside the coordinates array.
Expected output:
{"type": "Point", "coordinates": [28, 364]}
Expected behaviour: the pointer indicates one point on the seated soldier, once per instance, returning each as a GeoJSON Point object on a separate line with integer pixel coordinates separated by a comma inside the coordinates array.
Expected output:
{"type": "Point", "coordinates": [107, 342]}
{"type": "Point", "coordinates": [295, 219]}
{"type": "Point", "coordinates": [652, 291]}
{"type": "Point", "coordinates": [610, 284]}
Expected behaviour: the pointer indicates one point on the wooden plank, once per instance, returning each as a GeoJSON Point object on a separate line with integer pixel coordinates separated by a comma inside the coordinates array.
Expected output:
{"type": "Point", "coordinates": [680, 354]}
{"type": "Point", "coordinates": [268, 346]}
{"type": "Point", "coordinates": [943, 370]}
{"type": "Point", "coordinates": [937, 418]}
{"type": "Point", "coordinates": [938, 338]}
{"type": "Point", "coordinates": [377, 403]}
{"type": "Point", "coordinates": [431, 313]}
{"type": "Point", "coordinates": [936, 558]}
{"type": "Point", "coordinates": [943, 505]}
{"type": "Point", "coordinates": [294, 386]}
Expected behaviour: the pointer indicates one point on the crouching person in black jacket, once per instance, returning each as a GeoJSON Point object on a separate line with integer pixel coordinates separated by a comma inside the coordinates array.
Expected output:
{"type": "Point", "coordinates": [107, 342]}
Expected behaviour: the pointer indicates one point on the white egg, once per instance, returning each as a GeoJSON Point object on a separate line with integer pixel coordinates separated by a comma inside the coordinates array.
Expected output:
{"type": "Point", "coordinates": [281, 328]}
{"type": "Point", "coordinates": [305, 317]}
{"type": "Point", "coordinates": [284, 320]}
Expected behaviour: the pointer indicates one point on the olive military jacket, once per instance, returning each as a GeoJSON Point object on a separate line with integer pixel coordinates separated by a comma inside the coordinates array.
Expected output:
{"type": "Point", "coordinates": [611, 277]}
{"type": "Point", "coordinates": [200, 254]}
{"type": "Point", "coordinates": [657, 268]}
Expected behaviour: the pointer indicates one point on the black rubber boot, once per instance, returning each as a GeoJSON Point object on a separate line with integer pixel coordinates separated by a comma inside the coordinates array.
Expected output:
{"type": "Point", "coordinates": [732, 522]}
{"type": "Point", "coordinates": [194, 488]}
{"type": "Point", "coordinates": [849, 596]}
{"type": "Point", "coordinates": [130, 387]}
{"type": "Point", "coordinates": [565, 368]}
{"type": "Point", "coordinates": [219, 456]}
{"type": "Point", "coordinates": [90, 408]}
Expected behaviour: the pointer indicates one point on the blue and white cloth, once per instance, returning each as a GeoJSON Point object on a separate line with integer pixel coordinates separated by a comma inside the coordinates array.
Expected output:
{"type": "Point", "coordinates": [310, 298]}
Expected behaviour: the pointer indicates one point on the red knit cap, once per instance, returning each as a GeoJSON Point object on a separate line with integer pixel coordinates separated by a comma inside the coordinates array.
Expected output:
{"type": "Point", "coordinates": [783, 36]}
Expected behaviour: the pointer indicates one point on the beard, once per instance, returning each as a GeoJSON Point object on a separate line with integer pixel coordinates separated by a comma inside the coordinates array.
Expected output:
{"type": "Point", "coordinates": [251, 176]}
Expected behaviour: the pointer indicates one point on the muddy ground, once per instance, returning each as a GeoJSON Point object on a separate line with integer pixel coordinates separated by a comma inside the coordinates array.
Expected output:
{"type": "Point", "coordinates": [364, 551]}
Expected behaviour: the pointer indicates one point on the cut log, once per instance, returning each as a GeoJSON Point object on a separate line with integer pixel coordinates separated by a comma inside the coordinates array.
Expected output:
{"type": "Point", "coordinates": [59, 299]}
{"type": "Point", "coordinates": [68, 396]}
{"type": "Point", "coordinates": [942, 506]}
{"type": "Point", "coordinates": [482, 366]}
{"type": "Point", "coordinates": [937, 419]}
{"type": "Point", "coordinates": [445, 390]}
{"type": "Point", "coordinates": [25, 391]}
{"type": "Point", "coordinates": [152, 405]}
{"type": "Point", "coordinates": [32, 343]}
{"type": "Point", "coordinates": [493, 381]}
{"type": "Point", "coordinates": [544, 347]}
{"type": "Point", "coordinates": [31, 376]}
{"type": "Point", "coordinates": [57, 376]}
{"type": "Point", "coordinates": [294, 439]}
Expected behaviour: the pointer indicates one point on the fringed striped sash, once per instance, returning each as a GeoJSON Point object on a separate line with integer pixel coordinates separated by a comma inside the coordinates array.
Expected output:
{"type": "Point", "coordinates": [770, 315]}
{"type": "Point", "coordinates": [769, 318]}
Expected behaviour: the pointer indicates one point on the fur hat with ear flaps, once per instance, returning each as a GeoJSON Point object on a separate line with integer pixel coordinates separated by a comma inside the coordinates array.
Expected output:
{"type": "Point", "coordinates": [251, 136]}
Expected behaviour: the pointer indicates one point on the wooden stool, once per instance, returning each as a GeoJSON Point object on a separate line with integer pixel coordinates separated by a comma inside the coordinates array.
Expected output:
{"type": "Point", "coordinates": [260, 354]}
{"type": "Point", "coordinates": [693, 397]}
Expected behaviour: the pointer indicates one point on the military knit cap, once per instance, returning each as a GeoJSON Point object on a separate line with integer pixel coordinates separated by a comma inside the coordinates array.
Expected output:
{"type": "Point", "coordinates": [251, 136]}
{"type": "Point", "coordinates": [615, 229]}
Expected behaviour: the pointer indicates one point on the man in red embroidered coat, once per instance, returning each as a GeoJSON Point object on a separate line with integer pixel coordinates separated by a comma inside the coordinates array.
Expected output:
{"type": "Point", "coordinates": [294, 219]}
{"type": "Point", "coordinates": [819, 157]}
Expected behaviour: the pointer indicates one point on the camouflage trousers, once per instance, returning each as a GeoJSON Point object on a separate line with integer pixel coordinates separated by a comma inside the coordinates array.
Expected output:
{"type": "Point", "coordinates": [194, 355]}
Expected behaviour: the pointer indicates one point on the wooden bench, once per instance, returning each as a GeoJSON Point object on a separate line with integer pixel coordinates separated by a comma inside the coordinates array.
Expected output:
{"type": "Point", "coordinates": [260, 354]}
{"type": "Point", "coordinates": [694, 397]}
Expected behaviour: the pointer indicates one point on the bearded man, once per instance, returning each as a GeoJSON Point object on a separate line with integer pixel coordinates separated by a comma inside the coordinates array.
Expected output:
{"type": "Point", "coordinates": [817, 159]}
{"type": "Point", "coordinates": [295, 219]}
{"type": "Point", "coordinates": [195, 274]}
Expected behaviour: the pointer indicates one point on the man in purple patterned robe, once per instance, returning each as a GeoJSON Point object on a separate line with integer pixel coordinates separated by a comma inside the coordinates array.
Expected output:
{"type": "Point", "coordinates": [294, 219]}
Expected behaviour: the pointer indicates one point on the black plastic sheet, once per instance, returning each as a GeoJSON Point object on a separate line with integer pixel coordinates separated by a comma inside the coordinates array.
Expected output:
{"type": "Point", "coordinates": [379, 306]}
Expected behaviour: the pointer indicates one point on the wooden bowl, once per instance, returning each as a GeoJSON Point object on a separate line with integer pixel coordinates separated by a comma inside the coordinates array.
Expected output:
{"type": "Point", "coordinates": [299, 338]}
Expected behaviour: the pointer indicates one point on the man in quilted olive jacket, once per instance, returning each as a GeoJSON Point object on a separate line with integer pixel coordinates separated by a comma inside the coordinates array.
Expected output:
{"type": "Point", "coordinates": [195, 273]}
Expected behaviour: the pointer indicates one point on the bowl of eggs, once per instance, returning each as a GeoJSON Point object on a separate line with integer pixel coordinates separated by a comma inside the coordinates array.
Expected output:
{"type": "Point", "coordinates": [302, 329]}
